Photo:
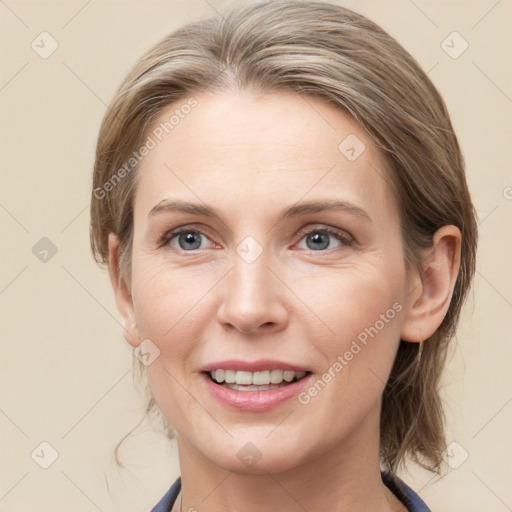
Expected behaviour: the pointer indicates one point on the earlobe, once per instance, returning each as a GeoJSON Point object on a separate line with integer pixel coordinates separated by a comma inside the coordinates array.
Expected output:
{"type": "Point", "coordinates": [122, 293]}
{"type": "Point", "coordinates": [430, 294]}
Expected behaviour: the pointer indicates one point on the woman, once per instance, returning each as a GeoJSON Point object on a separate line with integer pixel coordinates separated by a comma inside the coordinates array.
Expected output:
{"type": "Point", "coordinates": [281, 202]}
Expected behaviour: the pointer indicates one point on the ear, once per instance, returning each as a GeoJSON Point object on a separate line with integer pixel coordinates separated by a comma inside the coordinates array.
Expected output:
{"type": "Point", "coordinates": [430, 294]}
{"type": "Point", "coordinates": [122, 293]}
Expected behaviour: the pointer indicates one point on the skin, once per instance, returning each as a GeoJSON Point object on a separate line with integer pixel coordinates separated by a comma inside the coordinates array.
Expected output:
{"type": "Point", "coordinates": [249, 157]}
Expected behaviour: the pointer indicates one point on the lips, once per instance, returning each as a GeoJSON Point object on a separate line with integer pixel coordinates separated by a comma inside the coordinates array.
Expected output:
{"type": "Point", "coordinates": [242, 390]}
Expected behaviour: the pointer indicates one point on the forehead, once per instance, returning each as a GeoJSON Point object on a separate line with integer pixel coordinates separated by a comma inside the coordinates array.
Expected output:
{"type": "Point", "coordinates": [240, 149]}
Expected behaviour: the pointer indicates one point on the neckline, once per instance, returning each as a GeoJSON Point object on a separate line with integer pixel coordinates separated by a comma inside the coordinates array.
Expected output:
{"type": "Point", "coordinates": [404, 494]}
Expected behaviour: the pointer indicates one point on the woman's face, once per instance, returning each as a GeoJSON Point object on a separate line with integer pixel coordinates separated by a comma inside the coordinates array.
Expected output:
{"type": "Point", "coordinates": [259, 280]}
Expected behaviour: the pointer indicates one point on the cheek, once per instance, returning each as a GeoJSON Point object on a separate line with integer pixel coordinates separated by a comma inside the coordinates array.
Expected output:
{"type": "Point", "coordinates": [171, 395]}
{"type": "Point", "coordinates": [164, 298]}
{"type": "Point", "coordinates": [168, 308]}
{"type": "Point", "coordinates": [361, 309]}
{"type": "Point", "coordinates": [334, 306]}
{"type": "Point", "coordinates": [364, 313]}
{"type": "Point", "coordinates": [351, 299]}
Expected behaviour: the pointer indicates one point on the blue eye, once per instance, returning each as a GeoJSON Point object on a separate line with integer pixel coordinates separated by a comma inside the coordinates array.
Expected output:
{"type": "Point", "coordinates": [320, 239]}
{"type": "Point", "coordinates": [317, 240]}
{"type": "Point", "coordinates": [187, 239]}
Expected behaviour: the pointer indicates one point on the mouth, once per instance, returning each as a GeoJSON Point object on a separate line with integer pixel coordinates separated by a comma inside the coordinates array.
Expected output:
{"type": "Point", "coordinates": [255, 386]}
{"type": "Point", "coordinates": [267, 380]}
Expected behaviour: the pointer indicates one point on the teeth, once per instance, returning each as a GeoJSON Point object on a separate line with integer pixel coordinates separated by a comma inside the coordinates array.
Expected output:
{"type": "Point", "coordinates": [276, 376]}
{"type": "Point", "coordinates": [264, 378]}
{"type": "Point", "coordinates": [261, 378]}
{"type": "Point", "coordinates": [288, 376]}
{"type": "Point", "coordinates": [243, 377]}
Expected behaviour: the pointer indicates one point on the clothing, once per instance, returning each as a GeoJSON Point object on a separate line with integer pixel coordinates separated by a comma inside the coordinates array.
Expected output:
{"type": "Point", "coordinates": [404, 493]}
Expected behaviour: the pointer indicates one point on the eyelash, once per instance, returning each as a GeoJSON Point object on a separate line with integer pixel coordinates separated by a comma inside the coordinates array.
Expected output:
{"type": "Point", "coordinates": [346, 239]}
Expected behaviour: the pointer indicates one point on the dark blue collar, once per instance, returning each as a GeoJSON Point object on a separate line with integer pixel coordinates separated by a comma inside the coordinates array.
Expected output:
{"type": "Point", "coordinates": [404, 493]}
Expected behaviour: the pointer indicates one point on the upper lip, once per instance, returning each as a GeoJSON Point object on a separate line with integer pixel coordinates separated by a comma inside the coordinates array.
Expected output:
{"type": "Point", "coordinates": [253, 366]}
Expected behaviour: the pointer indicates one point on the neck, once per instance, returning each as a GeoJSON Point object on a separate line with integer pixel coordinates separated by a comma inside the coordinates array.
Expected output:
{"type": "Point", "coordinates": [344, 477]}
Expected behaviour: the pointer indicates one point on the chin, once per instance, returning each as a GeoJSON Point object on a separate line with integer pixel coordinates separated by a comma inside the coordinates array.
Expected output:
{"type": "Point", "coordinates": [263, 466]}
{"type": "Point", "coordinates": [257, 458]}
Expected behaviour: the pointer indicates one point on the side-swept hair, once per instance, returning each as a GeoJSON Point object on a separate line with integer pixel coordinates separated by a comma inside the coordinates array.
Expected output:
{"type": "Point", "coordinates": [321, 49]}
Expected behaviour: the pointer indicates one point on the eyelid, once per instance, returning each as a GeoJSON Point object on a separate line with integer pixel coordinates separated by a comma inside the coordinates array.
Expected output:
{"type": "Point", "coordinates": [341, 233]}
{"type": "Point", "coordinates": [168, 234]}
{"type": "Point", "coordinates": [343, 236]}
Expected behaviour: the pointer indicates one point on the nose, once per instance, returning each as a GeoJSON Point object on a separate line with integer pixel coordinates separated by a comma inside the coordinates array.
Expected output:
{"type": "Point", "coordinates": [253, 298]}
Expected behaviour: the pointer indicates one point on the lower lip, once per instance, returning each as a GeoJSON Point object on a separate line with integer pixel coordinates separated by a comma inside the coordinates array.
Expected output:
{"type": "Point", "coordinates": [254, 400]}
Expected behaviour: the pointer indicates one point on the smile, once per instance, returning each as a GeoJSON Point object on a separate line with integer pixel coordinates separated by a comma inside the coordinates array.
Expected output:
{"type": "Point", "coordinates": [255, 381]}
{"type": "Point", "coordinates": [254, 391]}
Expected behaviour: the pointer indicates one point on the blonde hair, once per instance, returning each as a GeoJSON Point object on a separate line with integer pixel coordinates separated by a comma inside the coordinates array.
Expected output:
{"type": "Point", "coordinates": [321, 49]}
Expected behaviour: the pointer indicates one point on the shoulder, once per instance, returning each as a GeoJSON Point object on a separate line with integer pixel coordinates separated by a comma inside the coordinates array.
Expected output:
{"type": "Point", "coordinates": [167, 502]}
{"type": "Point", "coordinates": [404, 493]}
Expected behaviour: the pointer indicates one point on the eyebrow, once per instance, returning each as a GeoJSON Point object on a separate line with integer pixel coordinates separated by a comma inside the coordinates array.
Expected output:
{"type": "Point", "coordinates": [295, 210]}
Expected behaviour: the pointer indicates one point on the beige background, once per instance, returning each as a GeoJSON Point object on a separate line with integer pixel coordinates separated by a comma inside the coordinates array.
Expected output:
{"type": "Point", "coordinates": [65, 368]}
